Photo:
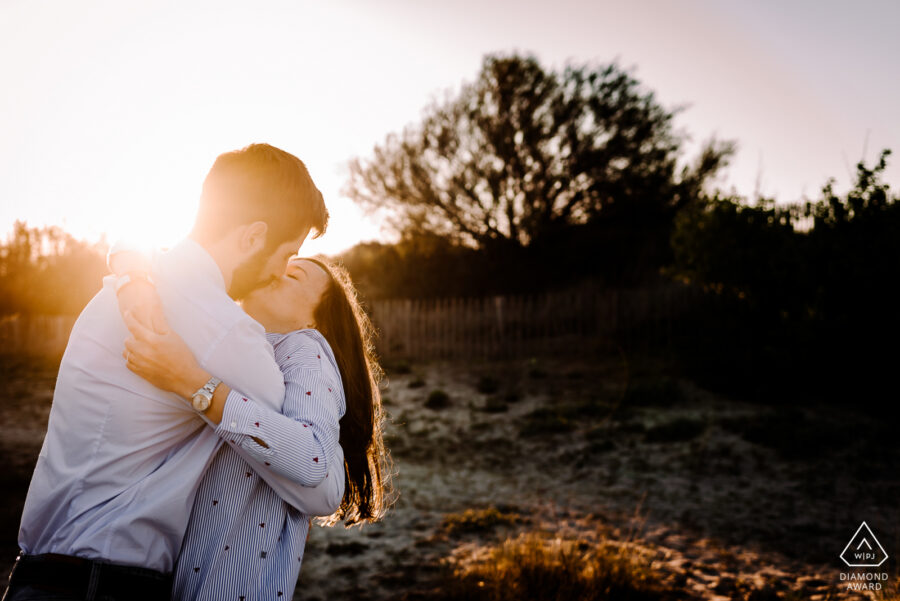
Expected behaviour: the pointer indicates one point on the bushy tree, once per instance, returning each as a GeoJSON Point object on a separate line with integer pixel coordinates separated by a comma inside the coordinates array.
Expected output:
{"type": "Point", "coordinates": [47, 271]}
{"type": "Point", "coordinates": [815, 281]}
{"type": "Point", "coordinates": [524, 152]}
{"type": "Point", "coordinates": [421, 266]}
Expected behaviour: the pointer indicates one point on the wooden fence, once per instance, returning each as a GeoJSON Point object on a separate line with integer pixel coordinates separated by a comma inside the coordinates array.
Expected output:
{"type": "Point", "coordinates": [488, 327]}
{"type": "Point", "coordinates": [35, 334]}
{"type": "Point", "coordinates": [531, 325]}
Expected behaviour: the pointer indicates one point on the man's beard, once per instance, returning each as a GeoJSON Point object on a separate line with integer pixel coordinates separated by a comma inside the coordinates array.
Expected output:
{"type": "Point", "coordinates": [246, 276]}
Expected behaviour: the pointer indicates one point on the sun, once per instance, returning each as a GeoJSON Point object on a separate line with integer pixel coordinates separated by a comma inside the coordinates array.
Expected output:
{"type": "Point", "coordinates": [151, 223]}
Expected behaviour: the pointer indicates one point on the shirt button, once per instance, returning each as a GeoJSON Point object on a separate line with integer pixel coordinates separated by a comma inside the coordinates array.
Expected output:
{"type": "Point", "coordinates": [234, 424]}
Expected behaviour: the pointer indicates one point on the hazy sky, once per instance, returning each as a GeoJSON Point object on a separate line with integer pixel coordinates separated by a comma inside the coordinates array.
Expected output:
{"type": "Point", "coordinates": [112, 112]}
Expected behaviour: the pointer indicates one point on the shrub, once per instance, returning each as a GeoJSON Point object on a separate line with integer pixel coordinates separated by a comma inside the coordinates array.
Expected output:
{"type": "Point", "coordinates": [534, 370]}
{"type": "Point", "coordinates": [537, 373]}
{"type": "Point", "coordinates": [399, 367]}
{"type": "Point", "coordinates": [659, 392]}
{"type": "Point", "coordinates": [677, 430]}
{"type": "Point", "coordinates": [438, 399]}
{"type": "Point", "coordinates": [495, 405]}
{"type": "Point", "coordinates": [790, 433]}
{"type": "Point", "coordinates": [545, 421]}
{"type": "Point", "coordinates": [417, 383]}
{"type": "Point", "coordinates": [488, 385]}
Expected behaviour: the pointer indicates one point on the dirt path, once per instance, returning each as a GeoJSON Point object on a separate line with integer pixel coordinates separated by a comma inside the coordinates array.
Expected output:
{"type": "Point", "coordinates": [731, 500]}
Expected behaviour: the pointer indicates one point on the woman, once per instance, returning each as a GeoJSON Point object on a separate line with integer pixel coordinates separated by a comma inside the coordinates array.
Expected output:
{"type": "Point", "coordinates": [243, 541]}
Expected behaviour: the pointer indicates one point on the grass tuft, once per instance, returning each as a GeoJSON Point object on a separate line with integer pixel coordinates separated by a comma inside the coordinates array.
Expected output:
{"type": "Point", "coordinates": [488, 385]}
{"type": "Point", "coordinates": [438, 399]}
{"type": "Point", "coordinates": [657, 392]}
{"type": "Point", "coordinates": [545, 420]}
{"type": "Point", "coordinates": [535, 567]}
{"type": "Point", "coordinates": [678, 430]}
{"type": "Point", "coordinates": [477, 520]}
{"type": "Point", "coordinates": [398, 367]}
{"type": "Point", "coordinates": [495, 405]}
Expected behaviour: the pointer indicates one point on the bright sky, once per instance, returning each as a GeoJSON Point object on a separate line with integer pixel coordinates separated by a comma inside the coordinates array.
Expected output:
{"type": "Point", "coordinates": [112, 112]}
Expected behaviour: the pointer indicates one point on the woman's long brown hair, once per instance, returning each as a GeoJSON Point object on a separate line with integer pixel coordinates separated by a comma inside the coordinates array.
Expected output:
{"type": "Point", "coordinates": [346, 327]}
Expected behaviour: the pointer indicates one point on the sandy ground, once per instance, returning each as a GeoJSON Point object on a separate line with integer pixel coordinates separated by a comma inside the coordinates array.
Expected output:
{"type": "Point", "coordinates": [730, 500]}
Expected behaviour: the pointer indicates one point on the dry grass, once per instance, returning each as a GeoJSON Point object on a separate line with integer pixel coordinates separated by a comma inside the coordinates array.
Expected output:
{"type": "Point", "coordinates": [478, 520]}
{"type": "Point", "coordinates": [891, 591]}
{"type": "Point", "coordinates": [535, 566]}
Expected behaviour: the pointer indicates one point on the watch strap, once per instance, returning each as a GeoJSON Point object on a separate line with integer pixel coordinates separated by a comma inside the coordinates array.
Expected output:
{"type": "Point", "coordinates": [211, 385]}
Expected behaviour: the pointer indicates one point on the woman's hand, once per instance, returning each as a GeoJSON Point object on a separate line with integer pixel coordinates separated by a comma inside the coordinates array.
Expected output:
{"type": "Point", "coordinates": [163, 359]}
{"type": "Point", "coordinates": [139, 298]}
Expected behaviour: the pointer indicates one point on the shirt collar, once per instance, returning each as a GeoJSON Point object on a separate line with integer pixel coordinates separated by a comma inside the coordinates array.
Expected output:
{"type": "Point", "coordinates": [275, 337]}
{"type": "Point", "coordinates": [191, 256]}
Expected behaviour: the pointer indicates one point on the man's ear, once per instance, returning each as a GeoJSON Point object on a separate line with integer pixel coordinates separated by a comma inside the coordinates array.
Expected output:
{"type": "Point", "coordinates": [253, 238]}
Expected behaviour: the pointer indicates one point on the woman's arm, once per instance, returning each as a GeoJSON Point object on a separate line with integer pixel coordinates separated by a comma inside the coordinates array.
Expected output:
{"type": "Point", "coordinates": [299, 445]}
{"type": "Point", "coordinates": [124, 257]}
{"type": "Point", "coordinates": [134, 288]}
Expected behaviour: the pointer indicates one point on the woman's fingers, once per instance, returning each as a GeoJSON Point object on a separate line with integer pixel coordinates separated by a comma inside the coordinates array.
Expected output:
{"type": "Point", "coordinates": [137, 329]}
{"type": "Point", "coordinates": [158, 319]}
{"type": "Point", "coordinates": [138, 366]}
{"type": "Point", "coordinates": [132, 346]}
{"type": "Point", "coordinates": [139, 350]}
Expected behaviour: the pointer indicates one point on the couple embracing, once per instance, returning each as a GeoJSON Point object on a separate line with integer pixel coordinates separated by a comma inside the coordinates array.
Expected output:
{"type": "Point", "coordinates": [191, 439]}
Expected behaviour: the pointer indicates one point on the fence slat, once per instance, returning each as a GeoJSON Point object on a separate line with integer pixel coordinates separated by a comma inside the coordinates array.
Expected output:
{"type": "Point", "coordinates": [474, 328]}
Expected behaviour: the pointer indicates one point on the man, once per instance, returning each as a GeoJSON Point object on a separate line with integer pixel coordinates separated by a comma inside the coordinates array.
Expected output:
{"type": "Point", "coordinates": [112, 490]}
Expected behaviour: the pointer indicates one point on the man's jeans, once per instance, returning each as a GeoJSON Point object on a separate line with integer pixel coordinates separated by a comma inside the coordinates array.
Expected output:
{"type": "Point", "coordinates": [26, 592]}
{"type": "Point", "coordinates": [53, 577]}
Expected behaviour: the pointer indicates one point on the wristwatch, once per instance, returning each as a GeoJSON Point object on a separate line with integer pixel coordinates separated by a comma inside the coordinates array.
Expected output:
{"type": "Point", "coordinates": [203, 397]}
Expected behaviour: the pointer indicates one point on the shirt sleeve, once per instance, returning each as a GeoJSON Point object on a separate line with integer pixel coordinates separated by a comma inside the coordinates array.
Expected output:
{"type": "Point", "coordinates": [300, 443]}
{"type": "Point", "coordinates": [125, 256]}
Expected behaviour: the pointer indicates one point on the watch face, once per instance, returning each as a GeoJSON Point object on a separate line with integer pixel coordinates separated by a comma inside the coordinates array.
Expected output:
{"type": "Point", "coordinates": [200, 402]}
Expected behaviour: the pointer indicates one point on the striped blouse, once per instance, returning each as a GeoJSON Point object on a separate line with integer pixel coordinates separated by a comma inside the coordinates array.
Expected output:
{"type": "Point", "coordinates": [244, 542]}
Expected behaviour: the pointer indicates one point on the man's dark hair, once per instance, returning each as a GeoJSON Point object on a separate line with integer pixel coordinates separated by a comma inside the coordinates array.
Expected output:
{"type": "Point", "coordinates": [260, 183]}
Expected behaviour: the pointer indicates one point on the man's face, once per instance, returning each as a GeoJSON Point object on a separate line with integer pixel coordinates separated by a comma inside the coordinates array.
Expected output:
{"type": "Point", "coordinates": [263, 268]}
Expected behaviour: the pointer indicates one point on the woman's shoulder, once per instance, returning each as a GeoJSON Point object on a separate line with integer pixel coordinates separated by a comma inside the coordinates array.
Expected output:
{"type": "Point", "coordinates": [308, 349]}
{"type": "Point", "coordinates": [307, 346]}
{"type": "Point", "coordinates": [297, 343]}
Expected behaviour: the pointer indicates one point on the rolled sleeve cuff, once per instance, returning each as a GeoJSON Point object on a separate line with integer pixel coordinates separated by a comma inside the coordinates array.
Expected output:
{"type": "Point", "coordinates": [238, 417]}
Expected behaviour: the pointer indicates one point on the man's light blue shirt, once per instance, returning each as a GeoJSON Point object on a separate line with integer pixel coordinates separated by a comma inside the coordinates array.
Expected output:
{"type": "Point", "coordinates": [122, 460]}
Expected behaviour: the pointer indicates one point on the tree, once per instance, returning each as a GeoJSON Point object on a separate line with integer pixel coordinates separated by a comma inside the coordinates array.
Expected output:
{"type": "Point", "coordinates": [47, 271]}
{"type": "Point", "coordinates": [522, 153]}
{"type": "Point", "coordinates": [818, 301]}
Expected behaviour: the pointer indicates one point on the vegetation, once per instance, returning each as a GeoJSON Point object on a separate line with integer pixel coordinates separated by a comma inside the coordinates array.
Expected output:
{"type": "Point", "coordinates": [45, 271]}
{"type": "Point", "coordinates": [495, 405]}
{"type": "Point", "coordinates": [804, 307]}
{"type": "Point", "coordinates": [438, 399]}
{"type": "Point", "coordinates": [656, 392]}
{"type": "Point", "coordinates": [488, 385]}
{"type": "Point", "coordinates": [535, 169]}
{"type": "Point", "coordinates": [792, 433]}
{"type": "Point", "coordinates": [519, 180]}
{"type": "Point", "coordinates": [536, 567]}
{"type": "Point", "coordinates": [677, 430]}
{"type": "Point", "coordinates": [478, 520]}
